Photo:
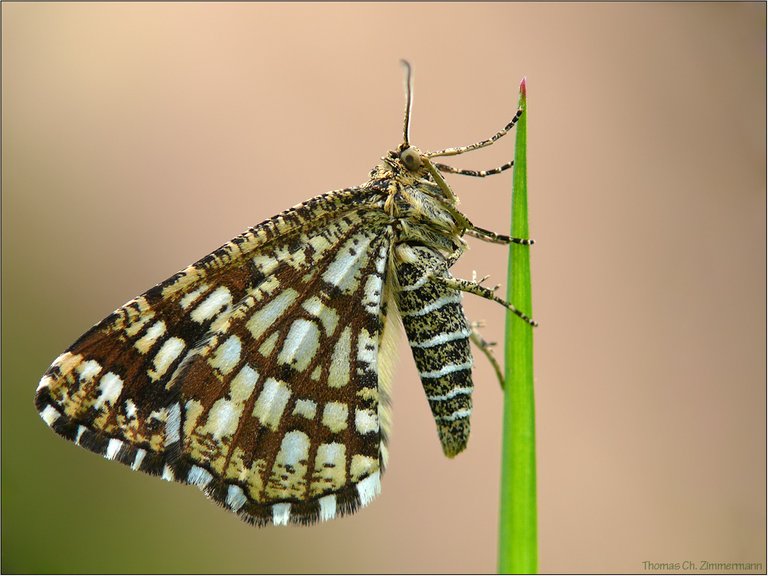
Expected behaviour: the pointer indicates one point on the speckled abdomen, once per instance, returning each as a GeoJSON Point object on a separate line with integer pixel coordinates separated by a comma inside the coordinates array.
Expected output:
{"type": "Point", "coordinates": [438, 334]}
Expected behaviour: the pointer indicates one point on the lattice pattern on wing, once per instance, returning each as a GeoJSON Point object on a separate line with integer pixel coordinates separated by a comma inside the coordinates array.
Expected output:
{"type": "Point", "coordinates": [283, 398]}
{"type": "Point", "coordinates": [116, 391]}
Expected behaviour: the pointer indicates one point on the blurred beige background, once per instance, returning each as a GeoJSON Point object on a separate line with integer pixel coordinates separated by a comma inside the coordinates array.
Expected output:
{"type": "Point", "coordinates": [138, 137]}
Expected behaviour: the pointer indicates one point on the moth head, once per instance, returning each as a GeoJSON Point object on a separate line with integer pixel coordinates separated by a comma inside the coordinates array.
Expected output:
{"type": "Point", "coordinates": [411, 158]}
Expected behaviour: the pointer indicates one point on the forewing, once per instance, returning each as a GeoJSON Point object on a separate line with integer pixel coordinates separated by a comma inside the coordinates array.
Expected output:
{"type": "Point", "coordinates": [114, 390]}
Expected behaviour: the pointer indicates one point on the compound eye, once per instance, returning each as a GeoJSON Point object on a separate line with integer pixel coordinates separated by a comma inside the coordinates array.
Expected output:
{"type": "Point", "coordinates": [411, 158]}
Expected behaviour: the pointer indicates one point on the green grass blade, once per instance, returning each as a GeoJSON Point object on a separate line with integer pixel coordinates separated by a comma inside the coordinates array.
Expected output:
{"type": "Point", "coordinates": [518, 550]}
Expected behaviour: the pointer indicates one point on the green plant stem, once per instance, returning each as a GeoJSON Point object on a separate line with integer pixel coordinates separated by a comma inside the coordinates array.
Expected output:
{"type": "Point", "coordinates": [518, 550]}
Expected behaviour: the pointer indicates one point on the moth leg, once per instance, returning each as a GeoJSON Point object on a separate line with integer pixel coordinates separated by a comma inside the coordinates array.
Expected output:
{"type": "Point", "coordinates": [494, 238]}
{"type": "Point", "coordinates": [478, 290]}
{"type": "Point", "coordinates": [476, 145]}
{"type": "Point", "coordinates": [486, 348]}
{"type": "Point", "coordinates": [479, 282]}
{"type": "Point", "coordinates": [476, 173]}
{"type": "Point", "coordinates": [440, 181]}
{"type": "Point", "coordinates": [462, 220]}
{"type": "Point", "coordinates": [453, 257]}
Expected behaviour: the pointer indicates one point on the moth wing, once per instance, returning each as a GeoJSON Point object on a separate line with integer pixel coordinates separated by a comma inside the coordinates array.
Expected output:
{"type": "Point", "coordinates": [113, 391]}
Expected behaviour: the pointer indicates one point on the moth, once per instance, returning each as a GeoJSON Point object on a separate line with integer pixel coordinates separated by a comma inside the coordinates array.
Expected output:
{"type": "Point", "coordinates": [261, 372]}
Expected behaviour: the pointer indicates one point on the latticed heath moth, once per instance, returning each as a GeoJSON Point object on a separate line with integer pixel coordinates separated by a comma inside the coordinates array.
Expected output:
{"type": "Point", "coordinates": [261, 372]}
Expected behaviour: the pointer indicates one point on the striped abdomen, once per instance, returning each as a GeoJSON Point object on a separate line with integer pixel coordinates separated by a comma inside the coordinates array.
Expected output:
{"type": "Point", "coordinates": [438, 334]}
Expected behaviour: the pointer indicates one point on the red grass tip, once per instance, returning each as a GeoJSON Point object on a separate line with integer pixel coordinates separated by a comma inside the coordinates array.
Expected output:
{"type": "Point", "coordinates": [522, 87]}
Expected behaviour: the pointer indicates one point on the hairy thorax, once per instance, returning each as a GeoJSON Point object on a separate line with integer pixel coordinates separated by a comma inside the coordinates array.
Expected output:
{"type": "Point", "coordinates": [419, 210]}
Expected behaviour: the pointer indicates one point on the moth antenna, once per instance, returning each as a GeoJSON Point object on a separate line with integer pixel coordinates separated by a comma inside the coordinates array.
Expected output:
{"type": "Point", "coordinates": [408, 82]}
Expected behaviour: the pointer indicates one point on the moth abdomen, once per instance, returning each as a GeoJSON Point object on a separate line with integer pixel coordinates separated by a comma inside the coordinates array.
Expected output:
{"type": "Point", "coordinates": [438, 334]}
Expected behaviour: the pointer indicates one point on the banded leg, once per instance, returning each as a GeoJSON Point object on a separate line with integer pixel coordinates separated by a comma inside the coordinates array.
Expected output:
{"type": "Point", "coordinates": [476, 173]}
{"type": "Point", "coordinates": [477, 145]}
{"type": "Point", "coordinates": [462, 220]}
{"type": "Point", "coordinates": [478, 290]}
{"type": "Point", "coordinates": [494, 238]}
{"type": "Point", "coordinates": [487, 349]}
{"type": "Point", "coordinates": [440, 181]}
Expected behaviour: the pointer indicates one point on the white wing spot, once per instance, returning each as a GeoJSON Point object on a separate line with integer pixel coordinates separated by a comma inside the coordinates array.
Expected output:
{"type": "Point", "coordinates": [381, 261]}
{"type": "Point", "coordinates": [243, 384]}
{"type": "Point", "coordinates": [369, 488]}
{"type": "Point", "coordinates": [192, 297]}
{"type": "Point", "coordinates": [168, 474]}
{"type": "Point", "coordinates": [366, 421]}
{"type": "Point", "coordinates": [265, 317]}
{"type": "Point", "coordinates": [80, 431]}
{"type": "Point", "coordinates": [235, 497]}
{"type": "Point", "coordinates": [327, 315]}
{"type": "Point", "coordinates": [362, 466]}
{"type": "Point", "coordinates": [130, 409]}
{"type": "Point", "coordinates": [335, 416]}
{"type": "Point", "coordinates": [65, 358]}
{"type": "Point", "coordinates": [306, 408]}
{"type": "Point", "coordinates": [133, 328]}
{"type": "Point", "coordinates": [50, 415]}
{"type": "Point", "coordinates": [338, 372]}
{"type": "Point", "coordinates": [343, 272]}
{"type": "Point", "coordinates": [293, 259]}
{"type": "Point", "coordinates": [168, 352]}
{"type": "Point", "coordinates": [281, 513]}
{"type": "Point", "coordinates": [271, 402]}
{"type": "Point", "coordinates": [268, 345]}
{"type": "Point", "coordinates": [110, 387]}
{"type": "Point", "coordinates": [199, 476]}
{"type": "Point", "coordinates": [45, 382]}
{"type": "Point", "coordinates": [145, 343]}
{"type": "Point", "coordinates": [173, 425]}
{"type": "Point", "coordinates": [265, 263]}
{"type": "Point", "coordinates": [208, 308]}
{"type": "Point", "coordinates": [225, 413]}
{"type": "Point", "coordinates": [300, 345]}
{"type": "Point", "coordinates": [88, 370]}
{"type": "Point", "coordinates": [113, 448]}
{"type": "Point", "coordinates": [327, 507]}
{"type": "Point", "coordinates": [294, 448]}
{"type": "Point", "coordinates": [140, 453]}
{"type": "Point", "coordinates": [227, 355]}
{"type": "Point", "coordinates": [319, 243]}
{"type": "Point", "coordinates": [222, 418]}
{"type": "Point", "coordinates": [330, 467]}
